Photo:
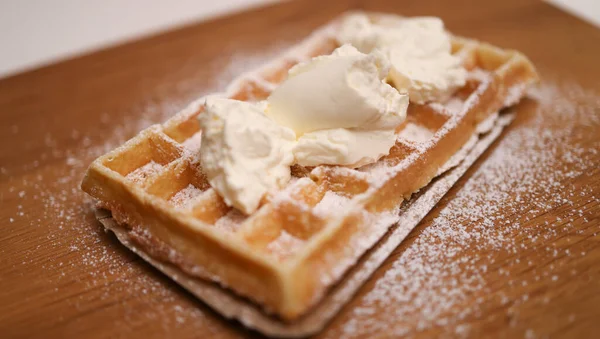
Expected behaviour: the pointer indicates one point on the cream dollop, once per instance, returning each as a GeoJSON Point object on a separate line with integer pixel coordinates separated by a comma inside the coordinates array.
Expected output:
{"type": "Point", "coordinates": [340, 146]}
{"type": "Point", "coordinates": [419, 50]}
{"type": "Point", "coordinates": [335, 109]}
{"type": "Point", "coordinates": [244, 154]}
{"type": "Point", "coordinates": [340, 107]}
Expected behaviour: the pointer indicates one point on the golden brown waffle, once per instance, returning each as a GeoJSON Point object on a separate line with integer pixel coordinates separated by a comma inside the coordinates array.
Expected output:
{"type": "Point", "coordinates": [286, 255]}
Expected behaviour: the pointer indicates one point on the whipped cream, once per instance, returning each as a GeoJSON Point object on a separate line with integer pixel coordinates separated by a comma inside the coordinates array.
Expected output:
{"type": "Point", "coordinates": [340, 107]}
{"type": "Point", "coordinates": [419, 50]}
{"type": "Point", "coordinates": [244, 154]}
{"type": "Point", "coordinates": [335, 109]}
{"type": "Point", "coordinates": [340, 146]}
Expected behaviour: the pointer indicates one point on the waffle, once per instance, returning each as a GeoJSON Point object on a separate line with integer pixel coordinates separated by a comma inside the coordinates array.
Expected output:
{"type": "Point", "coordinates": [288, 254]}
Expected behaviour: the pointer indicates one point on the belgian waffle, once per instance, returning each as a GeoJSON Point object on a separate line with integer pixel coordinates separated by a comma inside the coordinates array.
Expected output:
{"type": "Point", "coordinates": [303, 238]}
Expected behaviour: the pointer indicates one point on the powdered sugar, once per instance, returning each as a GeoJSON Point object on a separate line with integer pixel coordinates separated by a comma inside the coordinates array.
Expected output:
{"type": "Point", "coordinates": [231, 221]}
{"type": "Point", "coordinates": [454, 105]}
{"type": "Point", "coordinates": [192, 144]}
{"type": "Point", "coordinates": [331, 204]}
{"type": "Point", "coordinates": [141, 174]}
{"type": "Point", "coordinates": [239, 63]}
{"type": "Point", "coordinates": [183, 198]}
{"type": "Point", "coordinates": [415, 133]}
{"type": "Point", "coordinates": [528, 174]}
{"type": "Point", "coordinates": [82, 257]}
{"type": "Point", "coordinates": [285, 245]}
{"type": "Point", "coordinates": [422, 284]}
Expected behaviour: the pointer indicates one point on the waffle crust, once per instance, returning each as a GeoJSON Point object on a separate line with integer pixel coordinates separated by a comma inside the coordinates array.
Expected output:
{"type": "Point", "coordinates": [285, 257]}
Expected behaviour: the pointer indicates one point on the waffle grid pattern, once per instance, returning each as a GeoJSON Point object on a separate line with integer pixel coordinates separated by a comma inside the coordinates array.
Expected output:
{"type": "Point", "coordinates": [304, 237]}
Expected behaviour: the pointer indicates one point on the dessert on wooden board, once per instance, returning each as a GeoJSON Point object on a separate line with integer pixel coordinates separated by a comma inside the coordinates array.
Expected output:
{"type": "Point", "coordinates": [278, 188]}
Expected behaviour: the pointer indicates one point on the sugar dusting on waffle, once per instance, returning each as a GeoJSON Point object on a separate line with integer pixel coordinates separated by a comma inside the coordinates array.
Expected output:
{"type": "Point", "coordinates": [437, 275]}
{"type": "Point", "coordinates": [140, 174]}
{"type": "Point", "coordinates": [420, 284]}
{"type": "Point", "coordinates": [285, 244]}
{"type": "Point", "coordinates": [184, 197]}
{"type": "Point", "coordinates": [80, 252]}
{"type": "Point", "coordinates": [193, 144]}
{"type": "Point", "coordinates": [331, 203]}
{"type": "Point", "coordinates": [231, 221]}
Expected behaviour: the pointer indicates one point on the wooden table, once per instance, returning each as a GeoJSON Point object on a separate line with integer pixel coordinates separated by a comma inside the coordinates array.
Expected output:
{"type": "Point", "coordinates": [512, 250]}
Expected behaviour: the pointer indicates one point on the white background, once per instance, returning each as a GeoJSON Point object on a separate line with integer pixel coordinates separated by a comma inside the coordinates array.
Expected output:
{"type": "Point", "coordinates": [37, 32]}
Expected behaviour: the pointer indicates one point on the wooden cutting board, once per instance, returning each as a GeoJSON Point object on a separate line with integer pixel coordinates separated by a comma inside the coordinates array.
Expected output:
{"type": "Point", "coordinates": [512, 250]}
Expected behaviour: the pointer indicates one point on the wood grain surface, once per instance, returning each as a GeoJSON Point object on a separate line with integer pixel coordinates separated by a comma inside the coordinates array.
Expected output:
{"type": "Point", "coordinates": [512, 250]}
